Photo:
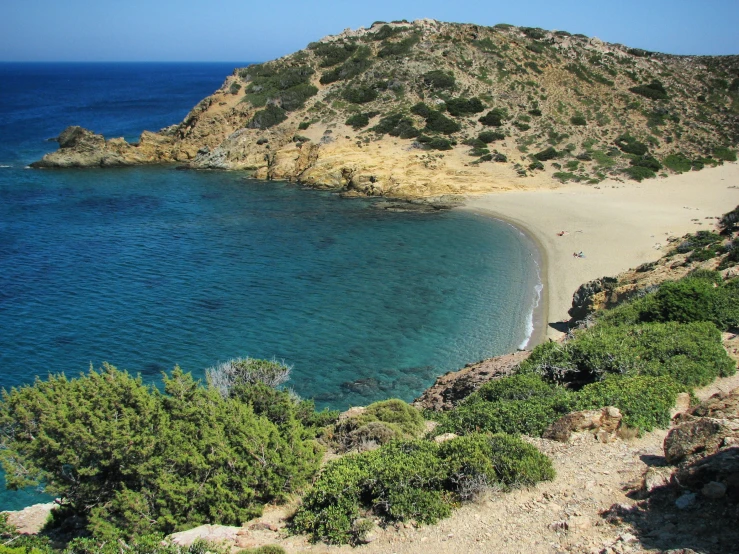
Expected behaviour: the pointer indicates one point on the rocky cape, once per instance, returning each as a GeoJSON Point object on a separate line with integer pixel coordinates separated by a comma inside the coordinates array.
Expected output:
{"type": "Point", "coordinates": [426, 109]}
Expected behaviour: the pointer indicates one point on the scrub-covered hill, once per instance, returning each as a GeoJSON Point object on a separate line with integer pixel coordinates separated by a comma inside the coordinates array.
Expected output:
{"type": "Point", "coordinates": [428, 108]}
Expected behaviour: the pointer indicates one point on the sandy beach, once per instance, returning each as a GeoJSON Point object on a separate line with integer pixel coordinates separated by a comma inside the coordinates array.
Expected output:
{"type": "Point", "coordinates": [616, 225]}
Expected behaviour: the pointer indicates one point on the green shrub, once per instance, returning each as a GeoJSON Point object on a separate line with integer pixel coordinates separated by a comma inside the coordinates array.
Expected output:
{"type": "Point", "coordinates": [439, 80]}
{"type": "Point", "coordinates": [303, 125]}
{"type": "Point", "coordinates": [547, 154]}
{"type": "Point", "coordinates": [724, 153]}
{"type": "Point", "coordinates": [696, 299]}
{"type": "Point", "coordinates": [439, 123]}
{"type": "Point", "coordinates": [639, 173]}
{"type": "Point", "coordinates": [647, 161]}
{"type": "Point", "coordinates": [536, 165]}
{"type": "Point", "coordinates": [360, 94]}
{"type": "Point", "coordinates": [690, 353]}
{"type": "Point", "coordinates": [149, 544]}
{"type": "Point", "coordinates": [417, 480]}
{"type": "Point", "coordinates": [464, 106]}
{"type": "Point", "coordinates": [494, 118]}
{"type": "Point", "coordinates": [654, 91]}
{"type": "Point", "coordinates": [289, 87]}
{"type": "Point", "coordinates": [234, 88]}
{"type": "Point", "coordinates": [729, 220]}
{"type": "Point", "coordinates": [269, 117]}
{"type": "Point", "coordinates": [332, 53]}
{"type": "Point", "coordinates": [578, 120]}
{"type": "Point", "coordinates": [421, 109]}
{"type": "Point", "coordinates": [490, 136]}
{"type": "Point", "coordinates": [398, 48]}
{"type": "Point", "coordinates": [358, 120]}
{"type": "Point", "coordinates": [440, 144]}
{"type": "Point", "coordinates": [645, 402]}
{"type": "Point", "coordinates": [131, 460]}
{"type": "Point", "coordinates": [397, 125]}
{"type": "Point", "coordinates": [520, 404]}
{"type": "Point", "coordinates": [534, 32]}
{"type": "Point", "coordinates": [630, 145]}
{"type": "Point", "coordinates": [380, 423]}
{"type": "Point", "coordinates": [678, 163]}
{"type": "Point", "coordinates": [353, 67]}
{"type": "Point", "coordinates": [386, 32]}
{"type": "Point", "coordinates": [565, 176]}
{"type": "Point", "coordinates": [294, 98]}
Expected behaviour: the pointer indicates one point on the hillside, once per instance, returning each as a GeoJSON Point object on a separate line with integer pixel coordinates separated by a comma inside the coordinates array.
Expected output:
{"type": "Point", "coordinates": [428, 108]}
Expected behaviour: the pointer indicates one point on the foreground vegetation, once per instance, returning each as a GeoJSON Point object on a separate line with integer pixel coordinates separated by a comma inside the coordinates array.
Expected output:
{"type": "Point", "coordinates": [132, 463]}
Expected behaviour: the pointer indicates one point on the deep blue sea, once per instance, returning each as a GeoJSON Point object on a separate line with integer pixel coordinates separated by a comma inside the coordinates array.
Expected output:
{"type": "Point", "coordinates": [150, 267]}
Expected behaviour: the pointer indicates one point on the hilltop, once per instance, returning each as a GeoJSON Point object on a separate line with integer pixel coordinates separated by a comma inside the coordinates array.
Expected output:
{"type": "Point", "coordinates": [426, 109]}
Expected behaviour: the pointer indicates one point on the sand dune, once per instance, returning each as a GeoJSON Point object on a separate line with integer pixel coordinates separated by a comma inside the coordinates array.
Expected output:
{"type": "Point", "coordinates": [617, 225]}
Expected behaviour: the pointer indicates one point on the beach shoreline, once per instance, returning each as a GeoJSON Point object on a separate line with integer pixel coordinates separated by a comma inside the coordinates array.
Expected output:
{"type": "Point", "coordinates": [616, 225]}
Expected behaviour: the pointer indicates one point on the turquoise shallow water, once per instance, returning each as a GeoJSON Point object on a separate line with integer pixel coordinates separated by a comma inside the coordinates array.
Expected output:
{"type": "Point", "coordinates": [150, 267]}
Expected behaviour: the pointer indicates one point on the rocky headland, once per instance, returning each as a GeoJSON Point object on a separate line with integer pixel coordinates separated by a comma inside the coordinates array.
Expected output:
{"type": "Point", "coordinates": [424, 109]}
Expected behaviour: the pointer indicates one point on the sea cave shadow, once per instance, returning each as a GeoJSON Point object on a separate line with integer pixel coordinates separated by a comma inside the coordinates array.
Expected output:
{"type": "Point", "coordinates": [705, 526]}
{"type": "Point", "coordinates": [561, 326]}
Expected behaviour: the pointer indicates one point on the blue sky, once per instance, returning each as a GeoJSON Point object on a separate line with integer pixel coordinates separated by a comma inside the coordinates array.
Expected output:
{"type": "Point", "coordinates": [233, 30]}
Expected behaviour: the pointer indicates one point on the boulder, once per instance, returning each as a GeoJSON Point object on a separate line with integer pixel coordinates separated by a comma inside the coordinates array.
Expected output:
{"type": "Point", "coordinates": [211, 533]}
{"type": "Point", "coordinates": [603, 423]}
{"type": "Point", "coordinates": [723, 405]}
{"type": "Point", "coordinates": [721, 467]}
{"type": "Point", "coordinates": [32, 519]}
{"type": "Point", "coordinates": [699, 437]}
{"type": "Point", "coordinates": [656, 477]}
{"type": "Point", "coordinates": [451, 388]}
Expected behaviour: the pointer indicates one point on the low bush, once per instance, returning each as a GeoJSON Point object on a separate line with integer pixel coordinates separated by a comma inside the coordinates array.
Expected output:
{"type": "Point", "coordinates": [725, 154]}
{"type": "Point", "coordinates": [380, 423]}
{"type": "Point", "coordinates": [418, 480]}
{"type": "Point", "coordinates": [439, 143]}
{"type": "Point", "coordinates": [534, 32]}
{"type": "Point", "coordinates": [153, 544]}
{"type": "Point", "coordinates": [386, 31]}
{"type": "Point", "coordinates": [464, 106]}
{"type": "Point", "coordinates": [700, 297]}
{"type": "Point", "coordinates": [268, 117]}
{"type": "Point", "coordinates": [690, 353]}
{"type": "Point", "coordinates": [421, 109]}
{"type": "Point", "coordinates": [289, 87]}
{"type": "Point", "coordinates": [578, 120]}
{"type": "Point", "coordinates": [396, 125]}
{"type": "Point", "coordinates": [353, 67]}
{"type": "Point", "coordinates": [630, 145]}
{"type": "Point", "coordinates": [490, 136]}
{"type": "Point", "coordinates": [358, 120]}
{"type": "Point", "coordinates": [639, 173]}
{"type": "Point", "coordinates": [360, 94]}
{"type": "Point", "coordinates": [729, 220]}
{"type": "Point", "coordinates": [439, 80]}
{"type": "Point", "coordinates": [439, 123]}
{"type": "Point", "coordinates": [398, 48]}
{"type": "Point", "coordinates": [333, 53]}
{"type": "Point", "coordinates": [520, 404]}
{"type": "Point", "coordinates": [654, 91]}
{"type": "Point", "coordinates": [678, 163]}
{"type": "Point", "coordinates": [645, 402]}
{"type": "Point", "coordinates": [494, 118]}
{"type": "Point", "coordinates": [650, 162]}
{"type": "Point", "coordinates": [547, 154]}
